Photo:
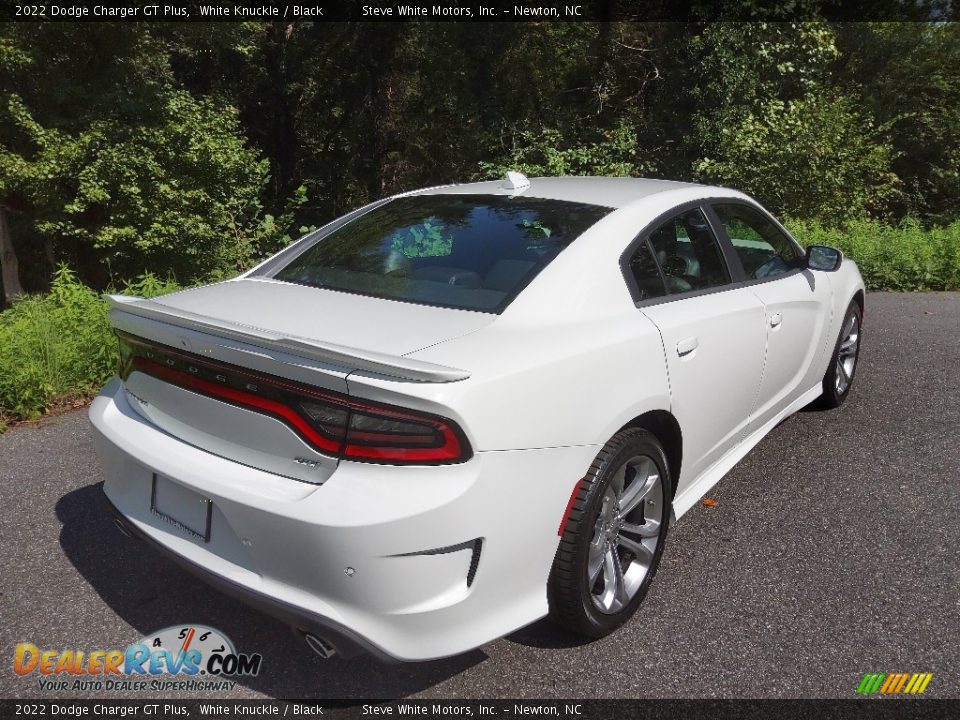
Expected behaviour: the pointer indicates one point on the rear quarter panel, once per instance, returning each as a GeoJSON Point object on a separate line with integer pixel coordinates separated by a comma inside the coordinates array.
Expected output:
{"type": "Point", "coordinates": [539, 387]}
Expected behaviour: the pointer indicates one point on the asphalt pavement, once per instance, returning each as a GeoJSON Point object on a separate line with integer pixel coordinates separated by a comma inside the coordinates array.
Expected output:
{"type": "Point", "coordinates": [832, 551]}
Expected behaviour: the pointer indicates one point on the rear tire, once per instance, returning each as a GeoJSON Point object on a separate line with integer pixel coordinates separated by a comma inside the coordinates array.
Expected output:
{"type": "Point", "coordinates": [843, 362]}
{"type": "Point", "coordinates": [613, 540]}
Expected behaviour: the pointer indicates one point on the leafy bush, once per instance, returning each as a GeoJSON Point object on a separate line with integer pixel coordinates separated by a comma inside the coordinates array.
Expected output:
{"type": "Point", "coordinates": [167, 192]}
{"type": "Point", "coordinates": [615, 152]}
{"type": "Point", "coordinates": [59, 346]}
{"type": "Point", "coordinates": [771, 122]}
{"type": "Point", "coordinates": [901, 257]}
{"type": "Point", "coordinates": [814, 157]}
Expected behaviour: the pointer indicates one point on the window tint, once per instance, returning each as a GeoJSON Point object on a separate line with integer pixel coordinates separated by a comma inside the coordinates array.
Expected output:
{"type": "Point", "coordinates": [646, 274]}
{"type": "Point", "coordinates": [688, 253]}
{"type": "Point", "coordinates": [763, 249]}
{"type": "Point", "coordinates": [474, 252]}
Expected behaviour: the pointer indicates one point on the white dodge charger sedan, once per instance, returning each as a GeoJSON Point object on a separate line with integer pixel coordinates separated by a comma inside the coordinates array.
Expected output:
{"type": "Point", "coordinates": [460, 409]}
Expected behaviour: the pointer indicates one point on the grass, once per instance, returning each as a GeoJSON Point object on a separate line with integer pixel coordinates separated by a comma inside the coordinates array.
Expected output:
{"type": "Point", "coordinates": [900, 257]}
{"type": "Point", "coordinates": [57, 348]}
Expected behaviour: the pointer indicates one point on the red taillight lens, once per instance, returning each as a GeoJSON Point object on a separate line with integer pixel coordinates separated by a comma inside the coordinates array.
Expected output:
{"type": "Point", "coordinates": [332, 423]}
{"type": "Point", "coordinates": [387, 435]}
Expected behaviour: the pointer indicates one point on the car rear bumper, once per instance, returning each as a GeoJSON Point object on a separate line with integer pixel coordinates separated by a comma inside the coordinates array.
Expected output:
{"type": "Point", "coordinates": [409, 563]}
{"type": "Point", "coordinates": [347, 642]}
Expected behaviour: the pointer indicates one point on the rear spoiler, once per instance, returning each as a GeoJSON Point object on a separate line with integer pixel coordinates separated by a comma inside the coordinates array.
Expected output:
{"type": "Point", "coordinates": [392, 366]}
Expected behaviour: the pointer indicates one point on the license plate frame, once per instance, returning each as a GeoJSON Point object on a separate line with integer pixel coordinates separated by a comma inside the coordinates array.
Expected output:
{"type": "Point", "coordinates": [164, 492]}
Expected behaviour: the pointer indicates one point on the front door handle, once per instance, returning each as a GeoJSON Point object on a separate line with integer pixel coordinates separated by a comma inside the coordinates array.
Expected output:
{"type": "Point", "coordinates": [775, 320]}
{"type": "Point", "coordinates": [687, 346]}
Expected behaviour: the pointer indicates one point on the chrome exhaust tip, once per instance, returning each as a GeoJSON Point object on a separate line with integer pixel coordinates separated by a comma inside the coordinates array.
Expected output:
{"type": "Point", "coordinates": [320, 646]}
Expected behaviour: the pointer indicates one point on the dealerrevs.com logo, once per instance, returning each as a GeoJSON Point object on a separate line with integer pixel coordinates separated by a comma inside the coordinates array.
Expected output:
{"type": "Point", "coordinates": [202, 654]}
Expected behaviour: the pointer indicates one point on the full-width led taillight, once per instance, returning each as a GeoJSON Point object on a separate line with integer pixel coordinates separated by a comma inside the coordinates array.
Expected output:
{"type": "Point", "coordinates": [331, 422]}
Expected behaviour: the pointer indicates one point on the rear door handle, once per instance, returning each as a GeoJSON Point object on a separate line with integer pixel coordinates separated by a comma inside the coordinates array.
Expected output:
{"type": "Point", "coordinates": [687, 346]}
{"type": "Point", "coordinates": [775, 320]}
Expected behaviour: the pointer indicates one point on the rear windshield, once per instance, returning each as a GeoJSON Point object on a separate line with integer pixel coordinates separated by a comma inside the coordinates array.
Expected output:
{"type": "Point", "coordinates": [474, 252]}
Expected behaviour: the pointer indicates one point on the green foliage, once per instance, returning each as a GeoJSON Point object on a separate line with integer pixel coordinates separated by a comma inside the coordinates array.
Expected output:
{"type": "Point", "coordinates": [901, 257]}
{"type": "Point", "coordinates": [816, 157]}
{"type": "Point", "coordinates": [109, 163]}
{"type": "Point", "coordinates": [59, 345]}
{"type": "Point", "coordinates": [166, 194]}
{"type": "Point", "coordinates": [741, 65]}
{"type": "Point", "coordinates": [773, 124]}
{"type": "Point", "coordinates": [53, 345]}
{"type": "Point", "coordinates": [429, 239]}
{"type": "Point", "coordinates": [165, 146]}
{"type": "Point", "coordinates": [908, 76]}
{"type": "Point", "coordinates": [614, 153]}
{"type": "Point", "coordinates": [149, 285]}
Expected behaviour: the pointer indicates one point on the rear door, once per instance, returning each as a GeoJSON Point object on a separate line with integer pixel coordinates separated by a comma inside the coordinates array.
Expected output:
{"type": "Point", "coordinates": [713, 335]}
{"type": "Point", "coordinates": [796, 303]}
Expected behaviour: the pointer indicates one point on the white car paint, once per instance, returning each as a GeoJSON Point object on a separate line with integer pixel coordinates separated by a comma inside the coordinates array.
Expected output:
{"type": "Point", "coordinates": [384, 552]}
{"type": "Point", "coordinates": [722, 360]}
{"type": "Point", "coordinates": [794, 313]}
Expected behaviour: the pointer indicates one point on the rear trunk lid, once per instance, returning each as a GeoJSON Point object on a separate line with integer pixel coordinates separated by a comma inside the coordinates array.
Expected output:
{"type": "Point", "coordinates": [231, 332]}
{"type": "Point", "coordinates": [370, 324]}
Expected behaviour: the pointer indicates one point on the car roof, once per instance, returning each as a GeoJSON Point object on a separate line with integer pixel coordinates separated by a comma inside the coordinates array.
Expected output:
{"type": "Point", "coordinates": [611, 192]}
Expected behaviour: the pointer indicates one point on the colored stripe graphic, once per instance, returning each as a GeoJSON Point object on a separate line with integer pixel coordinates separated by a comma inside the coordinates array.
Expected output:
{"type": "Point", "coordinates": [894, 683]}
{"type": "Point", "coordinates": [871, 683]}
{"type": "Point", "coordinates": [889, 682]}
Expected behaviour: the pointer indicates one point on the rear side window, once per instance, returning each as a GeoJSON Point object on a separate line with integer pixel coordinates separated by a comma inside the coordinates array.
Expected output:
{"type": "Point", "coordinates": [764, 250]}
{"type": "Point", "coordinates": [646, 275]}
{"type": "Point", "coordinates": [688, 253]}
{"type": "Point", "coordinates": [474, 252]}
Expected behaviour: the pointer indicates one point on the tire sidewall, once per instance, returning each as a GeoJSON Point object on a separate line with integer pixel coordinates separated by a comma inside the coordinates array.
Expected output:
{"type": "Point", "coordinates": [831, 397]}
{"type": "Point", "coordinates": [640, 443]}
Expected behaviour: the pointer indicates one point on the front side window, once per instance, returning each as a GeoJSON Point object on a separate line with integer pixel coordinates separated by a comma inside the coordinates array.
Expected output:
{"type": "Point", "coordinates": [763, 249]}
{"type": "Point", "coordinates": [688, 253]}
{"type": "Point", "coordinates": [473, 252]}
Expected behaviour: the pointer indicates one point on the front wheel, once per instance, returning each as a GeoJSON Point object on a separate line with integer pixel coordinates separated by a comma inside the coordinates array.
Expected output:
{"type": "Point", "coordinates": [843, 363]}
{"type": "Point", "coordinates": [614, 537]}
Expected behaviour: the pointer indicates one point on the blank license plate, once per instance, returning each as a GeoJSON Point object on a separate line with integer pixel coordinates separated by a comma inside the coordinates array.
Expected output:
{"type": "Point", "coordinates": [181, 507]}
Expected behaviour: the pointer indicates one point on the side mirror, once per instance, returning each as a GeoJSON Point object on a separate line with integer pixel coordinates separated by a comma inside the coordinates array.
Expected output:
{"type": "Point", "coordinates": [821, 257]}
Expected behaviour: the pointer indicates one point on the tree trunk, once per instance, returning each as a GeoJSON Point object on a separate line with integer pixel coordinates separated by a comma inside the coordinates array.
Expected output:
{"type": "Point", "coordinates": [284, 130]}
{"type": "Point", "coordinates": [49, 252]}
{"type": "Point", "coordinates": [9, 268]}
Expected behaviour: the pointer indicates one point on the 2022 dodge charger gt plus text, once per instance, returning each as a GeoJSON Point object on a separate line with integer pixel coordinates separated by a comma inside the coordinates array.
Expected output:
{"type": "Point", "coordinates": [457, 410]}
